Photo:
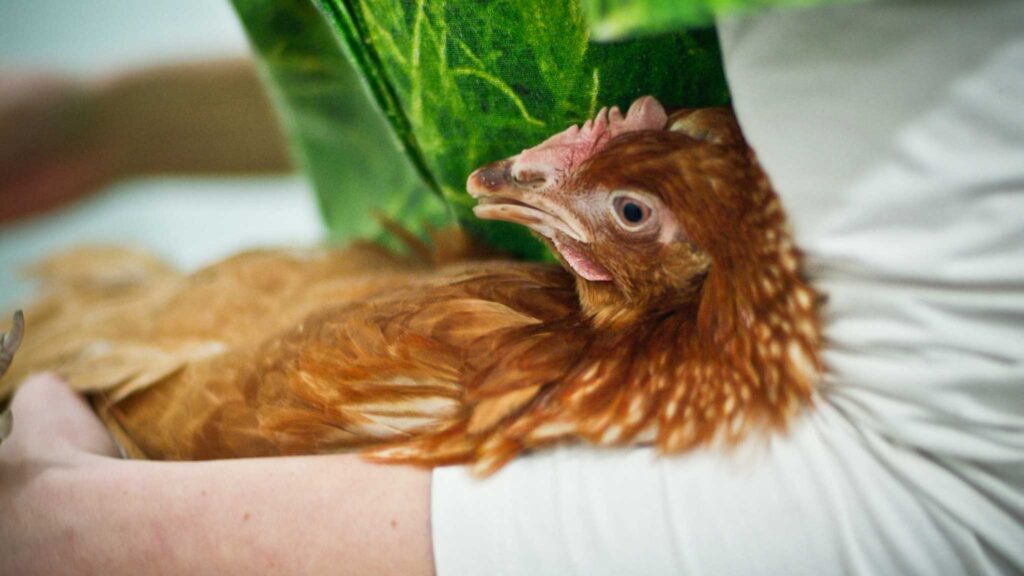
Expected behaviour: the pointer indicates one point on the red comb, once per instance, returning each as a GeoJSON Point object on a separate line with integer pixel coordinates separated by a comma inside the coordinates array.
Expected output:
{"type": "Point", "coordinates": [563, 153]}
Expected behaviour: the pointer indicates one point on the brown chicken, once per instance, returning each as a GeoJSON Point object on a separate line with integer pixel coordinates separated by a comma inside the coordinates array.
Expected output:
{"type": "Point", "coordinates": [679, 318]}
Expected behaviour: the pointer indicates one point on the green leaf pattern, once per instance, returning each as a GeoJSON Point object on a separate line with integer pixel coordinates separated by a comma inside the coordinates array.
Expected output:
{"type": "Point", "coordinates": [460, 83]}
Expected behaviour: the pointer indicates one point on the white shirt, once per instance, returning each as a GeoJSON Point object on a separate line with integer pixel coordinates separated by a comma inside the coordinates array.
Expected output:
{"type": "Point", "coordinates": [894, 132]}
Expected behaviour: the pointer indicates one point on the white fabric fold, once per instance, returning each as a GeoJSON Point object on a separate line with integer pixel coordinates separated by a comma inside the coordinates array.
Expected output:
{"type": "Point", "coordinates": [894, 132]}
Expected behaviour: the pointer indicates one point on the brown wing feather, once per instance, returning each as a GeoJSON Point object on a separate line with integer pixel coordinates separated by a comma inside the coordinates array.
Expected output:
{"type": "Point", "coordinates": [378, 370]}
{"type": "Point", "coordinates": [167, 320]}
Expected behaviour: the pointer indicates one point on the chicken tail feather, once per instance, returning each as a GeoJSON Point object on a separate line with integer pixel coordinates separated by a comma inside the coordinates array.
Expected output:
{"type": "Point", "coordinates": [98, 267]}
{"type": "Point", "coordinates": [88, 292]}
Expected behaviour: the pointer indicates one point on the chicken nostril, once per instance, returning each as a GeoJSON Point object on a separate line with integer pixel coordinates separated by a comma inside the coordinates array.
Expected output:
{"type": "Point", "coordinates": [531, 178]}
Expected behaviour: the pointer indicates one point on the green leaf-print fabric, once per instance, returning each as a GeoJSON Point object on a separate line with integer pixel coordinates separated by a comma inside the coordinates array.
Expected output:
{"type": "Point", "coordinates": [347, 149]}
{"type": "Point", "coordinates": [462, 83]}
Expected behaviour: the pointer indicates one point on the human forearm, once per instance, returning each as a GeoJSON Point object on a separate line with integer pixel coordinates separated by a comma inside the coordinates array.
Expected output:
{"type": "Point", "coordinates": [289, 516]}
{"type": "Point", "coordinates": [68, 510]}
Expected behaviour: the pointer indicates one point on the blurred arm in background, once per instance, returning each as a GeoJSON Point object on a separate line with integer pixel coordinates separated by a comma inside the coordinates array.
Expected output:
{"type": "Point", "coordinates": [62, 137]}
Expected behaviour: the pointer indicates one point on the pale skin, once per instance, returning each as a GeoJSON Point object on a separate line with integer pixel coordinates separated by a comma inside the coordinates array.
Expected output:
{"type": "Point", "coordinates": [68, 504]}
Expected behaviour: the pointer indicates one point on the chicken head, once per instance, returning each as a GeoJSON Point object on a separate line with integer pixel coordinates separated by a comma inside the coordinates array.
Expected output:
{"type": "Point", "coordinates": [627, 202]}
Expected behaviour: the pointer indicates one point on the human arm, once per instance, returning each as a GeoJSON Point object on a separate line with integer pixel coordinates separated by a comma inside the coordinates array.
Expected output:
{"type": "Point", "coordinates": [62, 137]}
{"type": "Point", "coordinates": [69, 507]}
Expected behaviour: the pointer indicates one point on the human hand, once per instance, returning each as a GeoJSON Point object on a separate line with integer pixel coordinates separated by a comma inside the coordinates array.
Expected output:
{"type": "Point", "coordinates": [58, 428]}
{"type": "Point", "coordinates": [55, 432]}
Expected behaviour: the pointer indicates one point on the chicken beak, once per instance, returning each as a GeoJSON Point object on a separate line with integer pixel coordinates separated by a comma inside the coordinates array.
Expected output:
{"type": "Point", "coordinates": [501, 197]}
{"type": "Point", "coordinates": [530, 201]}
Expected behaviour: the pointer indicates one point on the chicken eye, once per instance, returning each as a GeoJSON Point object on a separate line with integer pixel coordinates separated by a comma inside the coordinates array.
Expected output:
{"type": "Point", "coordinates": [631, 212]}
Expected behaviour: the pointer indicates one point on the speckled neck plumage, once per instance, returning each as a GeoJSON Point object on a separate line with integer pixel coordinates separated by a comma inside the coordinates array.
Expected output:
{"type": "Point", "coordinates": [754, 357]}
{"type": "Point", "coordinates": [740, 353]}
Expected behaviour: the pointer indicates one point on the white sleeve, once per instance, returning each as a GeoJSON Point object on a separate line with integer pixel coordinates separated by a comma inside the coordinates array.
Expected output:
{"type": "Point", "coordinates": [894, 132]}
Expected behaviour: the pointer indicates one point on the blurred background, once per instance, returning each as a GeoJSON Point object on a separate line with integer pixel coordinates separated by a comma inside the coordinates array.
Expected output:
{"type": "Point", "coordinates": [188, 220]}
